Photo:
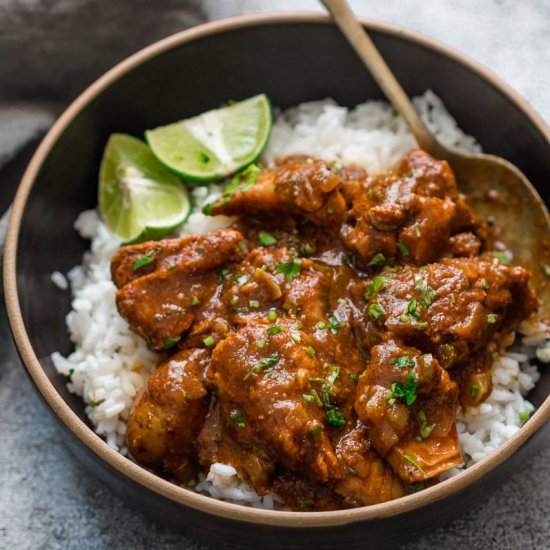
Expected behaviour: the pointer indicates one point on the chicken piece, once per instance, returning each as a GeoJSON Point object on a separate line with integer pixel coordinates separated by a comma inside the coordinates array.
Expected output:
{"type": "Point", "coordinates": [408, 214]}
{"type": "Point", "coordinates": [215, 444]}
{"type": "Point", "coordinates": [134, 261]}
{"type": "Point", "coordinates": [168, 414]}
{"type": "Point", "coordinates": [367, 479]}
{"type": "Point", "coordinates": [261, 391]}
{"type": "Point", "coordinates": [408, 403]}
{"type": "Point", "coordinates": [181, 290]}
{"type": "Point", "coordinates": [298, 185]}
{"type": "Point", "coordinates": [461, 303]}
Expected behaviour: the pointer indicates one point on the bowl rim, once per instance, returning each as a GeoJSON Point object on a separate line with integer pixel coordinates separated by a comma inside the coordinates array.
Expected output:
{"type": "Point", "coordinates": [143, 477]}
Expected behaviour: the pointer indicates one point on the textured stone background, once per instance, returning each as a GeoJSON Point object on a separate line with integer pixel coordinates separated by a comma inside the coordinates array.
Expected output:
{"type": "Point", "coordinates": [49, 50]}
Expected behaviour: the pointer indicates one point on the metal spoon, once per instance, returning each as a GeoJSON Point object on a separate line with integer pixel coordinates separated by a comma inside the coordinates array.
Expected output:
{"type": "Point", "coordinates": [496, 188]}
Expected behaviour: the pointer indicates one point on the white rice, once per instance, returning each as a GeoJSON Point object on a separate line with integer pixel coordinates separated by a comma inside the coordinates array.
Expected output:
{"type": "Point", "coordinates": [111, 364]}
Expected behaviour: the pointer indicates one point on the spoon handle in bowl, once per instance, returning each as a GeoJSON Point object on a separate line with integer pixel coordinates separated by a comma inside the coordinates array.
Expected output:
{"type": "Point", "coordinates": [358, 38]}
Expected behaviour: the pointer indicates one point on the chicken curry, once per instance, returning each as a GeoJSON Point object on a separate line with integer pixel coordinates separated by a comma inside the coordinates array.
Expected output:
{"type": "Point", "coordinates": [323, 343]}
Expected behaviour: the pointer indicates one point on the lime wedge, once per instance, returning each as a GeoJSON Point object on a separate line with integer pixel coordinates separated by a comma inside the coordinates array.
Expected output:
{"type": "Point", "coordinates": [138, 197]}
{"type": "Point", "coordinates": [217, 143]}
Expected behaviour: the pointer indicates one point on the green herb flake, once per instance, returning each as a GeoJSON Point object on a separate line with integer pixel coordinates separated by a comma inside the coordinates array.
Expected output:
{"type": "Point", "coordinates": [310, 350]}
{"type": "Point", "coordinates": [195, 301]}
{"type": "Point", "coordinates": [296, 337]}
{"type": "Point", "coordinates": [144, 260]}
{"type": "Point", "coordinates": [236, 418]}
{"type": "Point", "coordinates": [375, 286]}
{"type": "Point", "coordinates": [452, 298]}
{"type": "Point", "coordinates": [263, 364]}
{"type": "Point", "coordinates": [403, 248]}
{"type": "Point", "coordinates": [355, 378]}
{"type": "Point", "coordinates": [290, 269]}
{"type": "Point", "coordinates": [189, 396]}
{"type": "Point", "coordinates": [485, 284]}
{"type": "Point", "coordinates": [308, 398]}
{"type": "Point", "coordinates": [239, 183]}
{"type": "Point", "coordinates": [321, 325]}
{"type": "Point", "coordinates": [334, 323]}
{"type": "Point", "coordinates": [260, 343]}
{"type": "Point", "coordinates": [170, 342]}
{"type": "Point", "coordinates": [412, 308]}
{"type": "Point", "coordinates": [402, 362]}
{"type": "Point", "coordinates": [492, 318]}
{"type": "Point", "coordinates": [316, 398]}
{"type": "Point", "coordinates": [352, 471]}
{"type": "Point", "coordinates": [272, 315]}
{"type": "Point", "coordinates": [349, 259]}
{"type": "Point", "coordinates": [376, 311]}
{"type": "Point", "coordinates": [266, 239]}
{"type": "Point", "coordinates": [474, 389]}
{"type": "Point", "coordinates": [378, 260]}
{"type": "Point", "coordinates": [209, 341]}
{"type": "Point", "coordinates": [413, 461]}
{"type": "Point", "coordinates": [316, 431]}
{"type": "Point", "coordinates": [406, 392]}
{"type": "Point", "coordinates": [501, 256]}
{"type": "Point", "coordinates": [253, 304]}
{"type": "Point", "coordinates": [417, 231]}
{"type": "Point", "coordinates": [171, 266]}
{"type": "Point", "coordinates": [71, 372]}
{"type": "Point", "coordinates": [523, 416]}
{"type": "Point", "coordinates": [424, 289]}
{"type": "Point", "coordinates": [546, 269]}
{"type": "Point", "coordinates": [234, 301]}
{"type": "Point", "coordinates": [275, 329]}
{"type": "Point", "coordinates": [404, 319]}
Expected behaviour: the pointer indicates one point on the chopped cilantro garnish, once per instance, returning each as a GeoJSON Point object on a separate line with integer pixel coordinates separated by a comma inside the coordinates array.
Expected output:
{"type": "Point", "coordinates": [316, 431]}
{"type": "Point", "coordinates": [355, 378]}
{"type": "Point", "coordinates": [485, 284]}
{"type": "Point", "coordinates": [334, 416]}
{"type": "Point", "coordinates": [290, 269]}
{"type": "Point", "coordinates": [492, 318]}
{"type": "Point", "coordinates": [523, 416]}
{"type": "Point", "coordinates": [316, 398]}
{"type": "Point", "coordinates": [474, 388]}
{"type": "Point", "coordinates": [275, 329]}
{"type": "Point", "coordinates": [146, 260]}
{"type": "Point", "coordinates": [266, 239]}
{"type": "Point", "coordinates": [170, 342]}
{"type": "Point", "coordinates": [334, 323]}
{"type": "Point", "coordinates": [413, 461]}
{"type": "Point", "coordinates": [406, 392]}
{"type": "Point", "coordinates": [260, 343]}
{"type": "Point", "coordinates": [272, 315]}
{"type": "Point", "coordinates": [424, 289]}
{"type": "Point", "coordinates": [417, 231]}
{"type": "Point", "coordinates": [253, 304]}
{"type": "Point", "coordinates": [546, 269]}
{"type": "Point", "coordinates": [404, 319]}
{"type": "Point", "coordinates": [310, 351]}
{"type": "Point", "coordinates": [501, 256]}
{"type": "Point", "coordinates": [402, 362]}
{"type": "Point", "coordinates": [308, 398]}
{"type": "Point", "coordinates": [403, 248]}
{"type": "Point", "coordinates": [296, 337]}
{"type": "Point", "coordinates": [376, 311]}
{"type": "Point", "coordinates": [195, 301]}
{"type": "Point", "coordinates": [452, 298]}
{"type": "Point", "coordinates": [236, 418]}
{"type": "Point", "coordinates": [321, 325]}
{"type": "Point", "coordinates": [209, 341]}
{"type": "Point", "coordinates": [239, 182]}
{"type": "Point", "coordinates": [412, 308]}
{"type": "Point", "coordinates": [263, 364]}
{"type": "Point", "coordinates": [349, 258]}
{"type": "Point", "coordinates": [378, 260]}
{"type": "Point", "coordinates": [375, 286]}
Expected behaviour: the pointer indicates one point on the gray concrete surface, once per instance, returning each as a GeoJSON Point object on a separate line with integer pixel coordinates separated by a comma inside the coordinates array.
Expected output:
{"type": "Point", "coordinates": [46, 499]}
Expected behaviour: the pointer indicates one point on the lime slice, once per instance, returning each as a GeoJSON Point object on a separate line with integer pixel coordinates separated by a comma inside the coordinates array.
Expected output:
{"type": "Point", "coordinates": [138, 197]}
{"type": "Point", "coordinates": [217, 143]}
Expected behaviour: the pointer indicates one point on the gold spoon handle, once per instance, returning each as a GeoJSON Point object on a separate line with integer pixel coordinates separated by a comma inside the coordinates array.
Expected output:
{"type": "Point", "coordinates": [360, 41]}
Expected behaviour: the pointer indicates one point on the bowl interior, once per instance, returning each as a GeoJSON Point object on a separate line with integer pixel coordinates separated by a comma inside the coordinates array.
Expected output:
{"type": "Point", "coordinates": [292, 62]}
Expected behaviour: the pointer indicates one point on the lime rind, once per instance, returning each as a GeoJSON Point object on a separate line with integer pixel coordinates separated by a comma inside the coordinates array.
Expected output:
{"type": "Point", "coordinates": [215, 144]}
{"type": "Point", "coordinates": [136, 192]}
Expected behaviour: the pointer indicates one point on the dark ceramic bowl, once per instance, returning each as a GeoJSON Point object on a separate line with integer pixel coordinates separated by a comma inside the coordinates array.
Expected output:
{"type": "Point", "coordinates": [293, 58]}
